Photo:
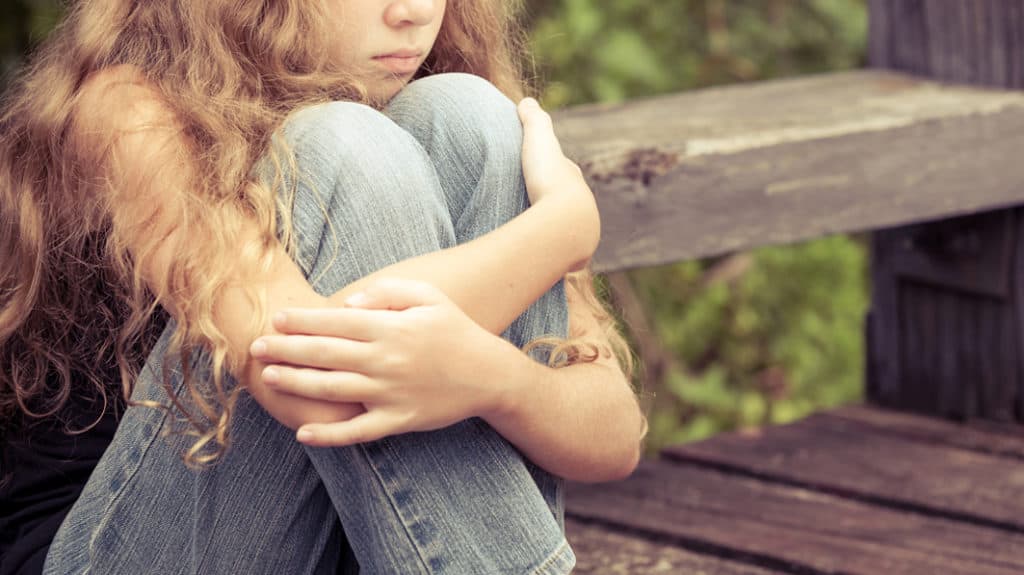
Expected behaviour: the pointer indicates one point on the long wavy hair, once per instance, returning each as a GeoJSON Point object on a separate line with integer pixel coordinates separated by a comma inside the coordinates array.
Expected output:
{"type": "Point", "coordinates": [73, 303]}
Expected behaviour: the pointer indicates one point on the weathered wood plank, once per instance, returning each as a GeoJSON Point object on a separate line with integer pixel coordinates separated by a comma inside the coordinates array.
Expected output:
{"type": "Point", "coordinates": [792, 529]}
{"type": "Point", "coordinates": [1002, 440]}
{"type": "Point", "coordinates": [717, 170]}
{"type": "Point", "coordinates": [603, 551]}
{"type": "Point", "coordinates": [840, 456]}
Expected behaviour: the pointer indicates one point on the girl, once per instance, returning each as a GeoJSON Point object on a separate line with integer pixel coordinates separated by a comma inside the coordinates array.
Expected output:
{"type": "Point", "coordinates": [337, 249]}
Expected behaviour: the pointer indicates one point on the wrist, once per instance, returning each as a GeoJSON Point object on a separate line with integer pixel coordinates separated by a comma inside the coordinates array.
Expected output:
{"type": "Point", "coordinates": [514, 378]}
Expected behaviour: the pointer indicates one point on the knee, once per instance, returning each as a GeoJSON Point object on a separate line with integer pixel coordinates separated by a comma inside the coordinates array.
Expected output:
{"type": "Point", "coordinates": [346, 165]}
{"type": "Point", "coordinates": [327, 139]}
{"type": "Point", "coordinates": [353, 149]}
{"type": "Point", "coordinates": [460, 108]}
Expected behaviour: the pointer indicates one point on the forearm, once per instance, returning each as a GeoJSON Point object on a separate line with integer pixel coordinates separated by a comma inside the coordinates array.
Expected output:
{"type": "Point", "coordinates": [495, 278]}
{"type": "Point", "coordinates": [581, 422]}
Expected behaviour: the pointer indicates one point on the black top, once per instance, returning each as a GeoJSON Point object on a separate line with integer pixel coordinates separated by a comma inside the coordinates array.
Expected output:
{"type": "Point", "coordinates": [42, 471]}
{"type": "Point", "coordinates": [45, 464]}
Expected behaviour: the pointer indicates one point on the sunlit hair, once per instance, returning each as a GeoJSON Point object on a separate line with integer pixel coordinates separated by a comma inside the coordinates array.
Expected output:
{"type": "Point", "coordinates": [73, 303]}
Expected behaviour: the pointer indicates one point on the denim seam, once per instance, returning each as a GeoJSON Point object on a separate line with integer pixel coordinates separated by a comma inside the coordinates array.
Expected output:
{"type": "Point", "coordinates": [136, 465]}
{"type": "Point", "coordinates": [398, 511]}
{"type": "Point", "coordinates": [553, 561]}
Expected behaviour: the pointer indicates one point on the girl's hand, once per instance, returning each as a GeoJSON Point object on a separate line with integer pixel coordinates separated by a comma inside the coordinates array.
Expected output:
{"type": "Point", "coordinates": [550, 175]}
{"type": "Point", "coordinates": [402, 349]}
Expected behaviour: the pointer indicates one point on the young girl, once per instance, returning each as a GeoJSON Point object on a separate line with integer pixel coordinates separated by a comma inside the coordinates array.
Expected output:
{"type": "Point", "coordinates": [328, 199]}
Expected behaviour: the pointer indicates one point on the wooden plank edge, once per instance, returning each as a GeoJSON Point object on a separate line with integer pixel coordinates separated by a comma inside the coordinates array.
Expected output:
{"type": "Point", "coordinates": [997, 439]}
{"type": "Point", "coordinates": [603, 549]}
{"type": "Point", "coordinates": [680, 456]}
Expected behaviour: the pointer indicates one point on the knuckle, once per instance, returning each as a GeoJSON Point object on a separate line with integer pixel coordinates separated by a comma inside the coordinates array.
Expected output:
{"type": "Point", "coordinates": [392, 362]}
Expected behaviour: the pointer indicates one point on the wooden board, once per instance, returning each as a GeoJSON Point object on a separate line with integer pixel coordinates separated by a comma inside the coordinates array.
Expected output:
{"type": "Point", "coordinates": [610, 551]}
{"type": "Point", "coordinates": [724, 169]}
{"type": "Point", "coordinates": [1003, 440]}
{"type": "Point", "coordinates": [791, 529]}
{"type": "Point", "coordinates": [835, 455]}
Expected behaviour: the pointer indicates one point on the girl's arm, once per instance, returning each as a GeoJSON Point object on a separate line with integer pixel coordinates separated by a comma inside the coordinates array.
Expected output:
{"type": "Point", "coordinates": [148, 172]}
{"type": "Point", "coordinates": [581, 422]}
{"type": "Point", "coordinates": [432, 365]}
{"type": "Point", "coordinates": [495, 277]}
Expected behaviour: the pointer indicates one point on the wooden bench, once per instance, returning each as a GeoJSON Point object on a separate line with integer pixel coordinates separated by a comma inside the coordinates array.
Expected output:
{"type": "Point", "coordinates": [927, 149]}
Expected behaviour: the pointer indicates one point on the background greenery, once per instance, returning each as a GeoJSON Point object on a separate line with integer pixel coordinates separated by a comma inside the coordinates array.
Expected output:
{"type": "Point", "coordinates": [742, 340]}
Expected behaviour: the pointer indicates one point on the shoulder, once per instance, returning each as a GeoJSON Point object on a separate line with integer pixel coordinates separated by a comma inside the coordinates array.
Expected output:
{"type": "Point", "coordinates": [118, 114]}
{"type": "Point", "coordinates": [116, 100]}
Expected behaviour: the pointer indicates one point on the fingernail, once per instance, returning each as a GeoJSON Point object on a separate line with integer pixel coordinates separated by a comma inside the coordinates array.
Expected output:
{"type": "Point", "coordinates": [258, 347]}
{"type": "Point", "coordinates": [271, 375]}
{"type": "Point", "coordinates": [304, 435]}
{"type": "Point", "coordinates": [357, 299]}
{"type": "Point", "coordinates": [280, 318]}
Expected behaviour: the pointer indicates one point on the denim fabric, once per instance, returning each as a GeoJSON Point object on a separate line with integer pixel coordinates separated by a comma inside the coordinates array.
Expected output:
{"type": "Point", "coordinates": [439, 167]}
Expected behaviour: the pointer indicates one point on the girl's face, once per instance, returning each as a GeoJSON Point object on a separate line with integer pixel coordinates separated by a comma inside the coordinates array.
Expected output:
{"type": "Point", "coordinates": [384, 42]}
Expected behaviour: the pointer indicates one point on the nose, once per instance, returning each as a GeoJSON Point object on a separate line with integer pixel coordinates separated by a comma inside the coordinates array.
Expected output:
{"type": "Point", "coordinates": [411, 12]}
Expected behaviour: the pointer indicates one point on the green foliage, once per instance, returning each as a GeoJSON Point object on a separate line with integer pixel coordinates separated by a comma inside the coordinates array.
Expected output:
{"type": "Point", "coordinates": [777, 341]}
{"type": "Point", "coordinates": [23, 23]}
{"type": "Point", "coordinates": [613, 50]}
{"type": "Point", "coordinates": [784, 337]}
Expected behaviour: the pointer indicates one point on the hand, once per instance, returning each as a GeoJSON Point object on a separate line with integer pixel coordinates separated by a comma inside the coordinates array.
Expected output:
{"type": "Point", "coordinates": [549, 174]}
{"type": "Point", "coordinates": [404, 350]}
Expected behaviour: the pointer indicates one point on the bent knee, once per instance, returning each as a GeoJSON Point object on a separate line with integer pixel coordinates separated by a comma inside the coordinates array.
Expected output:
{"type": "Point", "coordinates": [456, 87]}
{"type": "Point", "coordinates": [346, 166]}
{"type": "Point", "coordinates": [460, 112]}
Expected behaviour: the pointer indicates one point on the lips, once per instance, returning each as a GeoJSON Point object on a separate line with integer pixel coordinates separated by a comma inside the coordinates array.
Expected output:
{"type": "Point", "coordinates": [401, 62]}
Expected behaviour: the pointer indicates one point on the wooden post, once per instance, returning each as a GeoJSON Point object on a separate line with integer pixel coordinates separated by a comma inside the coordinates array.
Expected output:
{"type": "Point", "coordinates": [962, 41]}
{"type": "Point", "coordinates": [945, 329]}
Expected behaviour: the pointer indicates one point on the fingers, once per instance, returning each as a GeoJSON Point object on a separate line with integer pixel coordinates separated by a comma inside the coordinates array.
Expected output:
{"type": "Point", "coordinates": [538, 129]}
{"type": "Point", "coordinates": [333, 386]}
{"type": "Point", "coordinates": [370, 426]}
{"type": "Point", "coordinates": [396, 294]}
{"type": "Point", "coordinates": [314, 351]}
{"type": "Point", "coordinates": [531, 112]}
{"type": "Point", "coordinates": [536, 122]}
{"type": "Point", "coordinates": [348, 323]}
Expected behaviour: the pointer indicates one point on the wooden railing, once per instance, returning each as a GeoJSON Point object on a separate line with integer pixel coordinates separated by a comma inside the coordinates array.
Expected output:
{"type": "Point", "coordinates": [726, 169]}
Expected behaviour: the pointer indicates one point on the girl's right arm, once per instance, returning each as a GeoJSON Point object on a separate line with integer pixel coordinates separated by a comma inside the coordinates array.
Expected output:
{"type": "Point", "coordinates": [495, 277]}
{"type": "Point", "coordinates": [148, 171]}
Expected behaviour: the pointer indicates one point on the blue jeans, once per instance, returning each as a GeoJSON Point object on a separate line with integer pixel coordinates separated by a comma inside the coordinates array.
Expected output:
{"type": "Point", "coordinates": [440, 167]}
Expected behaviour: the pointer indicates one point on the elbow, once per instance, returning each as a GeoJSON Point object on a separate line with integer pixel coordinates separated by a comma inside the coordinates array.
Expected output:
{"type": "Point", "coordinates": [624, 465]}
{"type": "Point", "coordinates": [293, 411]}
{"type": "Point", "coordinates": [607, 471]}
{"type": "Point", "coordinates": [620, 463]}
{"type": "Point", "coordinates": [610, 465]}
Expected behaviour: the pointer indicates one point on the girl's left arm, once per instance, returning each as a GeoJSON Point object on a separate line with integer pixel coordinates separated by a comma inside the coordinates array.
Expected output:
{"type": "Point", "coordinates": [417, 362]}
{"type": "Point", "coordinates": [582, 422]}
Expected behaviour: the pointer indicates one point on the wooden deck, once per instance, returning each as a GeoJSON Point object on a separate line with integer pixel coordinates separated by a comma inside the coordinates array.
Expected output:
{"type": "Point", "coordinates": [858, 491]}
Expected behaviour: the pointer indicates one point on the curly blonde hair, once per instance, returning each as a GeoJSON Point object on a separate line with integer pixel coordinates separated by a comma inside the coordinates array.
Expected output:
{"type": "Point", "coordinates": [72, 298]}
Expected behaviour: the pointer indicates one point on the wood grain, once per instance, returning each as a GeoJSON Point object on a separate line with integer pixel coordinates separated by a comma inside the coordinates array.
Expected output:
{"type": "Point", "coordinates": [614, 551]}
{"type": "Point", "coordinates": [1003, 440]}
{"type": "Point", "coordinates": [964, 41]}
{"type": "Point", "coordinates": [724, 169]}
{"type": "Point", "coordinates": [836, 455]}
{"type": "Point", "coordinates": [791, 529]}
